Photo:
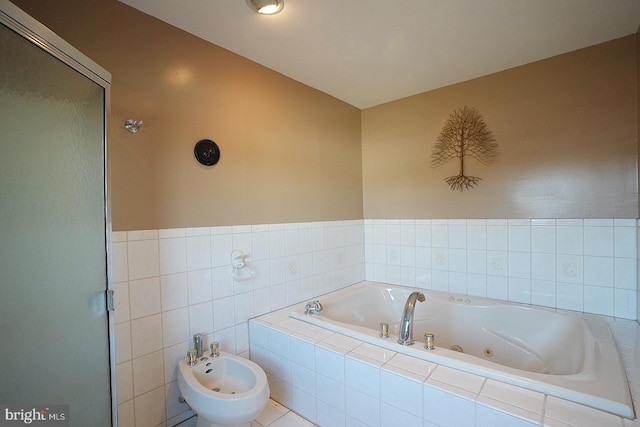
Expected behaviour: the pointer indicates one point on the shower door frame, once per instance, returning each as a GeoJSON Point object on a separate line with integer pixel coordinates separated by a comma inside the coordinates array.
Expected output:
{"type": "Point", "coordinates": [38, 34]}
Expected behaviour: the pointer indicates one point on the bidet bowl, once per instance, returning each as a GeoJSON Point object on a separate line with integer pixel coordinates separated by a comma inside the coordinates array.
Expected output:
{"type": "Point", "coordinates": [224, 390]}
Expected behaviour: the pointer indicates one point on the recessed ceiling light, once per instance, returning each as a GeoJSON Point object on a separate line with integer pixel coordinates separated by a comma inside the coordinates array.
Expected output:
{"type": "Point", "coordinates": [266, 7]}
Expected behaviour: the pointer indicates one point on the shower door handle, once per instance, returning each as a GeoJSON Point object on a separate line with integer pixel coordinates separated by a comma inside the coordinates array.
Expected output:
{"type": "Point", "coordinates": [109, 295]}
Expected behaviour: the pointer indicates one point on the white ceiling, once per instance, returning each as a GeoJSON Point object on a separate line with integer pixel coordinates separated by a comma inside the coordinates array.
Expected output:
{"type": "Point", "coordinates": [367, 52]}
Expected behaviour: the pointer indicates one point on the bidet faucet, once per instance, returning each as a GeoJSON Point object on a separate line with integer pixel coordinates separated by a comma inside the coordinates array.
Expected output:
{"type": "Point", "coordinates": [198, 344]}
{"type": "Point", "coordinates": [405, 335]}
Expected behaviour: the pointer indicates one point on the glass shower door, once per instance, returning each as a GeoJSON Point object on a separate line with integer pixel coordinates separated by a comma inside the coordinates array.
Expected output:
{"type": "Point", "coordinates": [54, 327]}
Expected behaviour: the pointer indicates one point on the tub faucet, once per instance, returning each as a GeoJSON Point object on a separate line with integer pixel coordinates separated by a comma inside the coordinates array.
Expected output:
{"type": "Point", "coordinates": [405, 336]}
{"type": "Point", "coordinates": [313, 307]}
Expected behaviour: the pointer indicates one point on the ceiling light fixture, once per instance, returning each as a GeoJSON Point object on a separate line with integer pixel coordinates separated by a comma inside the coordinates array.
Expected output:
{"type": "Point", "coordinates": [266, 7]}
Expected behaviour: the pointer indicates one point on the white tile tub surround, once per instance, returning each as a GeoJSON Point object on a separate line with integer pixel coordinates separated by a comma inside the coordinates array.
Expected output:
{"type": "Point", "coordinates": [170, 284]}
{"type": "Point", "coordinates": [333, 380]}
{"type": "Point", "coordinates": [587, 265]}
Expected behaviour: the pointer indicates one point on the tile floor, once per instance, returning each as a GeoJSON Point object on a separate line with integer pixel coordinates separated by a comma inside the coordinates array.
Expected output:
{"type": "Point", "coordinates": [274, 415]}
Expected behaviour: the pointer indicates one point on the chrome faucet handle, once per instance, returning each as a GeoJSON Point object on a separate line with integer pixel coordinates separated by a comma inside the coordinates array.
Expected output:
{"type": "Point", "coordinates": [191, 357]}
{"type": "Point", "coordinates": [312, 307]}
{"type": "Point", "coordinates": [214, 349]}
{"type": "Point", "coordinates": [429, 341]}
{"type": "Point", "coordinates": [384, 330]}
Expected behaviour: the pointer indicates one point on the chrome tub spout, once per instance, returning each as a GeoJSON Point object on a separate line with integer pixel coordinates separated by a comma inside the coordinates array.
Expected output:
{"type": "Point", "coordinates": [405, 335]}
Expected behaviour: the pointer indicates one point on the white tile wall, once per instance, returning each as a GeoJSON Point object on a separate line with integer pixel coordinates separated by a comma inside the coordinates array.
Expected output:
{"type": "Point", "coordinates": [585, 265]}
{"type": "Point", "coordinates": [170, 284]}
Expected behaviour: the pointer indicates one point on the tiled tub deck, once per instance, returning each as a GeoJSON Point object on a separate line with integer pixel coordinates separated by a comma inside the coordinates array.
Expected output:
{"type": "Point", "coordinates": [334, 380]}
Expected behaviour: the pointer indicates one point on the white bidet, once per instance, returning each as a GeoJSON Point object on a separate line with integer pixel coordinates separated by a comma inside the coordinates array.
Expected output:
{"type": "Point", "coordinates": [226, 390]}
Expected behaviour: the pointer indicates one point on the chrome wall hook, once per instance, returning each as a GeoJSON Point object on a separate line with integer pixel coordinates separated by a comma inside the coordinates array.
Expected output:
{"type": "Point", "coordinates": [132, 125]}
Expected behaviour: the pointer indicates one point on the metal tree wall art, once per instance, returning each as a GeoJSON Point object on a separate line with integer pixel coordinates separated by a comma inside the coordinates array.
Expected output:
{"type": "Point", "coordinates": [465, 135]}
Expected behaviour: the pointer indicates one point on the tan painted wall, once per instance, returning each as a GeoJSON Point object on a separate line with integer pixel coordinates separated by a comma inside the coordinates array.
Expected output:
{"type": "Point", "coordinates": [567, 128]}
{"type": "Point", "coordinates": [289, 153]}
{"type": "Point", "coordinates": [568, 135]}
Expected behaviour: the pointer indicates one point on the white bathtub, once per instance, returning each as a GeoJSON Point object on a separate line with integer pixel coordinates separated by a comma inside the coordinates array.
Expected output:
{"type": "Point", "coordinates": [565, 354]}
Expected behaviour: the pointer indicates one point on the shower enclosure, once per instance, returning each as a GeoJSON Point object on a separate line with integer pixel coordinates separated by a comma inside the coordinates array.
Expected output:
{"type": "Point", "coordinates": [55, 349]}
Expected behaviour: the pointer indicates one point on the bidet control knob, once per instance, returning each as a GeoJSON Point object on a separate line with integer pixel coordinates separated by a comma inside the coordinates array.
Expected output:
{"type": "Point", "coordinates": [191, 357]}
{"type": "Point", "coordinates": [214, 349]}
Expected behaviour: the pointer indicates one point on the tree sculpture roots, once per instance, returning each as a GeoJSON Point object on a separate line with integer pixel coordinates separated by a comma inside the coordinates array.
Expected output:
{"type": "Point", "coordinates": [461, 182]}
